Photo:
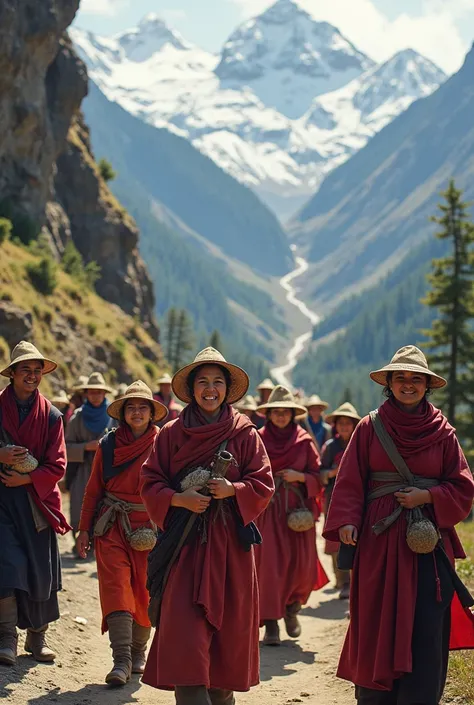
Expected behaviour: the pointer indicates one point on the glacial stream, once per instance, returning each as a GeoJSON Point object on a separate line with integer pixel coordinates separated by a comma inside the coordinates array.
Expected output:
{"type": "Point", "coordinates": [280, 374]}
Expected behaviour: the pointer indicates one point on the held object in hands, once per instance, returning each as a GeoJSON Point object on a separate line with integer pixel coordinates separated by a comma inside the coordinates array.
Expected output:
{"type": "Point", "coordinates": [24, 465]}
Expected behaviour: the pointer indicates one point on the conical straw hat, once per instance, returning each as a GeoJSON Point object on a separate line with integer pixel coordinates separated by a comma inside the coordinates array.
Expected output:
{"type": "Point", "coordinates": [408, 359]}
{"type": "Point", "coordinates": [315, 400]}
{"type": "Point", "coordinates": [137, 390]}
{"type": "Point", "coordinates": [164, 379]}
{"type": "Point", "coordinates": [282, 398]}
{"type": "Point", "coordinates": [266, 384]}
{"type": "Point", "coordinates": [210, 356]}
{"type": "Point", "coordinates": [27, 351]}
{"type": "Point", "coordinates": [248, 403]}
{"type": "Point", "coordinates": [346, 409]}
{"type": "Point", "coordinates": [96, 381]}
{"type": "Point", "coordinates": [60, 399]}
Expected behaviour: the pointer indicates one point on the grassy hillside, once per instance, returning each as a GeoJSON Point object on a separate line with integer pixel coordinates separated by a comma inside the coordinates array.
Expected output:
{"type": "Point", "coordinates": [74, 326]}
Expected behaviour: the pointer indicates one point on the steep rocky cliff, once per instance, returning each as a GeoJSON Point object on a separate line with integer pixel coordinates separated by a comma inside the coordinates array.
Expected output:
{"type": "Point", "coordinates": [48, 177]}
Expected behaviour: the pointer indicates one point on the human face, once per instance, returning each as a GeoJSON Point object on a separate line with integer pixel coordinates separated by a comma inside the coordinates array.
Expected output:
{"type": "Point", "coordinates": [345, 427]}
{"type": "Point", "coordinates": [210, 388]}
{"type": "Point", "coordinates": [408, 388]}
{"type": "Point", "coordinates": [280, 417]}
{"type": "Point", "coordinates": [26, 378]}
{"type": "Point", "coordinates": [165, 390]}
{"type": "Point", "coordinates": [315, 412]}
{"type": "Point", "coordinates": [95, 396]}
{"type": "Point", "coordinates": [138, 415]}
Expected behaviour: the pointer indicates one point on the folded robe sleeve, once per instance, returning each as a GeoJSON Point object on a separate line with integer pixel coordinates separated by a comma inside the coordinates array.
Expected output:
{"type": "Point", "coordinates": [156, 489]}
{"type": "Point", "coordinates": [255, 489]}
{"type": "Point", "coordinates": [93, 494]}
{"type": "Point", "coordinates": [348, 497]}
{"type": "Point", "coordinates": [452, 499]}
{"type": "Point", "coordinates": [53, 465]}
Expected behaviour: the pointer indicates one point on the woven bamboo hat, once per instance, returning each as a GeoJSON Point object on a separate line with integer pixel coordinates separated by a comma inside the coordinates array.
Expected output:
{"type": "Point", "coordinates": [60, 399]}
{"type": "Point", "coordinates": [266, 384]}
{"type": "Point", "coordinates": [346, 409]}
{"type": "Point", "coordinates": [409, 359]}
{"type": "Point", "coordinates": [96, 381]}
{"type": "Point", "coordinates": [282, 398]}
{"type": "Point", "coordinates": [315, 400]}
{"type": "Point", "coordinates": [164, 379]}
{"type": "Point", "coordinates": [138, 390]}
{"type": "Point", "coordinates": [210, 356]}
{"type": "Point", "coordinates": [27, 351]}
{"type": "Point", "coordinates": [248, 403]}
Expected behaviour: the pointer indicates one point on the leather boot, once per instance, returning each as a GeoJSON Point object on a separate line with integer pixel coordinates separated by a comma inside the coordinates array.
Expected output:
{"type": "Point", "coordinates": [221, 697]}
{"type": "Point", "coordinates": [336, 571]}
{"type": "Point", "coordinates": [293, 627]}
{"type": "Point", "coordinates": [272, 633]}
{"type": "Point", "coordinates": [8, 633]}
{"type": "Point", "coordinates": [192, 695]}
{"type": "Point", "coordinates": [120, 634]}
{"type": "Point", "coordinates": [36, 645]}
{"type": "Point", "coordinates": [346, 585]}
{"type": "Point", "coordinates": [140, 636]}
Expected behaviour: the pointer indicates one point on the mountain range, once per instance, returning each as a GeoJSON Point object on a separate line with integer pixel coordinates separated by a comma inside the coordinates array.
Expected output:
{"type": "Point", "coordinates": [286, 100]}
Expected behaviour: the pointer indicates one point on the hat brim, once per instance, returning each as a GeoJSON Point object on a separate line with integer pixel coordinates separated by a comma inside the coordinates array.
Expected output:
{"type": "Point", "coordinates": [300, 410]}
{"type": "Point", "coordinates": [48, 365]}
{"type": "Point", "coordinates": [239, 385]}
{"type": "Point", "coordinates": [160, 410]}
{"type": "Point", "coordinates": [98, 387]}
{"type": "Point", "coordinates": [331, 418]}
{"type": "Point", "coordinates": [321, 405]}
{"type": "Point", "coordinates": [380, 376]}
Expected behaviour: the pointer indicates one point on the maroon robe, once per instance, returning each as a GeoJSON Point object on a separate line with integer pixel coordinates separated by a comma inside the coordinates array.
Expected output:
{"type": "Point", "coordinates": [288, 566]}
{"type": "Point", "coordinates": [378, 649]}
{"type": "Point", "coordinates": [208, 633]}
{"type": "Point", "coordinates": [45, 442]}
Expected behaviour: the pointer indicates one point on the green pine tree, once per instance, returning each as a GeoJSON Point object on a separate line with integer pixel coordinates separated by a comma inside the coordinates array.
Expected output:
{"type": "Point", "coordinates": [451, 338]}
{"type": "Point", "coordinates": [184, 340]}
{"type": "Point", "coordinates": [171, 320]}
{"type": "Point", "coordinates": [215, 341]}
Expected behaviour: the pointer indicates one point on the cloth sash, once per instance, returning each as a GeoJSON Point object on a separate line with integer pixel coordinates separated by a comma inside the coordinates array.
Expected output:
{"type": "Point", "coordinates": [116, 509]}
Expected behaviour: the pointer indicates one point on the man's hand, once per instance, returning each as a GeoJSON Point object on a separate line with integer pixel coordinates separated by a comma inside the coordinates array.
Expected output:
{"type": "Point", "coordinates": [83, 543]}
{"type": "Point", "coordinates": [412, 497]}
{"type": "Point", "coordinates": [10, 455]}
{"type": "Point", "coordinates": [349, 534]}
{"type": "Point", "coordinates": [15, 479]}
{"type": "Point", "coordinates": [292, 475]}
{"type": "Point", "coordinates": [191, 499]}
{"type": "Point", "coordinates": [221, 488]}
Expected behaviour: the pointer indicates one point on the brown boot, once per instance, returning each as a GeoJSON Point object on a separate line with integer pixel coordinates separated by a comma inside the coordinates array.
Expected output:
{"type": "Point", "coordinates": [346, 585]}
{"type": "Point", "coordinates": [272, 633]}
{"type": "Point", "coordinates": [8, 633]}
{"type": "Point", "coordinates": [221, 697]}
{"type": "Point", "coordinates": [192, 695]}
{"type": "Point", "coordinates": [120, 634]}
{"type": "Point", "coordinates": [140, 636]}
{"type": "Point", "coordinates": [36, 645]}
{"type": "Point", "coordinates": [293, 627]}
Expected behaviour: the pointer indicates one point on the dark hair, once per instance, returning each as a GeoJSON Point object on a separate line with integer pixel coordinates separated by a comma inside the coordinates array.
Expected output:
{"type": "Point", "coordinates": [269, 411]}
{"type": "Point", "coordinates": [354, 421]}
{"type": "Point", "coordinates": [387, 392]}
{"type": "Point", "coordinates": [194, 373]}
{"type": "Point", "coordinates": [122, 410]}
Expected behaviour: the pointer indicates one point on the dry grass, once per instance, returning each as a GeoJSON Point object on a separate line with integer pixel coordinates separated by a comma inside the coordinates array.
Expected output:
{"type": "Point", "coordinates": [461, 664]}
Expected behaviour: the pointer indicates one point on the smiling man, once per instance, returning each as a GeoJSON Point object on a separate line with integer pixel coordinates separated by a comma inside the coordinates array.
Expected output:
{"type": "Point", "coordinates": [33, 460]}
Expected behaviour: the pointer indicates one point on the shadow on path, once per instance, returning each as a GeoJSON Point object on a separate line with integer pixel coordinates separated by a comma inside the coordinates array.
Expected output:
{"type": "Point", "coordinates": [91, 695]}
{"type": "Point", "coordinates": [12, 675]}
{"type": "Point", "coordinates": [333, 609]}
{"type": "Point", "coordinates": [274, 660]}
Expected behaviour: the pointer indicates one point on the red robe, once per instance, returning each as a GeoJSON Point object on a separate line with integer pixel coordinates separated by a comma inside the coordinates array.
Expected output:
{"type": "Point", "coordinates": [377, 649]}
{"type": "Point", "coordinates": [121, 570]}
{"type": "Point", "coordinates": [45, 441]}
{"type": "Point", "coordinates": [288, 566]}
{"type": "Point", "coordinates": [208, 633]}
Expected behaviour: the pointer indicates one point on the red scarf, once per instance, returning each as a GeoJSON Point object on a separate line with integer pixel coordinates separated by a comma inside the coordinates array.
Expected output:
{"type": "Point", "coordinates": [128, 448]}
{"type": "Point", "coordinates": [414, 432]}
{"type": "Point", "coordinates": [203, 438]}
{"type": "Point", "coordinates": [33, 432]}
{"type": "Point", "coordinates": [283, 444]}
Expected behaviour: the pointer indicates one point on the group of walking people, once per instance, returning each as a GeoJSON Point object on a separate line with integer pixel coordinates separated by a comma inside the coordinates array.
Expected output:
{"type": "Point", "coordinates": [204, 526]}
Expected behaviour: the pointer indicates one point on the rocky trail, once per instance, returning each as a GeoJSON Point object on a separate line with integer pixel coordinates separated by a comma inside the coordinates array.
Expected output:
{"type": "Point", "coordinates": [300, 671]}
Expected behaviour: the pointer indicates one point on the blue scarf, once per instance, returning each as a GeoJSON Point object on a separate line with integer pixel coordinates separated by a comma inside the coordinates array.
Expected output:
{"type": "Point", "coordinates": [96, 418]}
{"type": "Point", "coordinates": [319, 430]}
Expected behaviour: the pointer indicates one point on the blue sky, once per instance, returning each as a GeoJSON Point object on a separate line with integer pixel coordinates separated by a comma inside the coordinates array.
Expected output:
{"type": "Point", "coordinates": [443, 30]}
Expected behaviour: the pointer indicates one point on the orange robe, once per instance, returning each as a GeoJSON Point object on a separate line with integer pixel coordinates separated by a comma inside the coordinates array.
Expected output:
{"type": "Point", "coordinates": [122, 571]}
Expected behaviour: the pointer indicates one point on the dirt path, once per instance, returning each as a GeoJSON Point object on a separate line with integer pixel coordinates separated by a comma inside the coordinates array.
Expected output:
{"type": "Point", "coordinates": [298, 671]}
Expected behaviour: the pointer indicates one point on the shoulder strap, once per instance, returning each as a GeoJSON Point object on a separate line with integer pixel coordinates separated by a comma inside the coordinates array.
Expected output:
{"type": "Point", "coordinates": [107, 445]}
{"type": "Point", "coordinates": [389, 447]}
{"type": "Point", "coordinates": [54, 415]}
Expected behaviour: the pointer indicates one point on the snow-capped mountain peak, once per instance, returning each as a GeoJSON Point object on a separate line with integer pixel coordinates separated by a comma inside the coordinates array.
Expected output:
{"type": "Point", "coordinates": [148, 38]}
{"type": "Point", "coordinates": [288, 58]}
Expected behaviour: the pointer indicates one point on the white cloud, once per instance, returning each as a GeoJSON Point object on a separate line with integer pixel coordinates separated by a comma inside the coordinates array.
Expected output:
{"type": "Point", "coordinates": [433, 32]}
{"type": "Point", "coordinates": [107, 8]}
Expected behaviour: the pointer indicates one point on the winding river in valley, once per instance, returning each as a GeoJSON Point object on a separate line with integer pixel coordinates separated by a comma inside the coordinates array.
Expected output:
{"type": "Point", "coordinates": [282, 374]}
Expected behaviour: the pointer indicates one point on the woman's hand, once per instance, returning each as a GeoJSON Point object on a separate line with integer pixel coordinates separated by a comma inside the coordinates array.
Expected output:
{"type": "Point", "coordinates": [15, 479]}
{"type": "Point", "coordinates": [412, 497]}
{"type": "Point", "coordinates": [349, 534]}
{"type": "Point", "coordinates": [12, 454]}
{"type": "Point", "coordinates": [83, 543]}
{"type": "Point", "coordinates": [191, 499]}
{"type": "Point", "coordinates": [291, 475]}
{"type": "Point", "coordinates": [220, 488]}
